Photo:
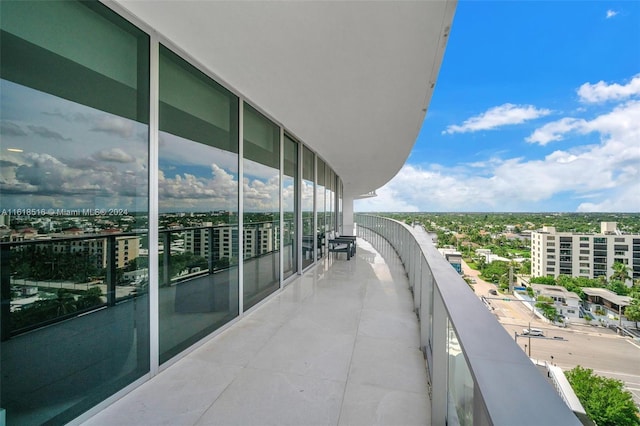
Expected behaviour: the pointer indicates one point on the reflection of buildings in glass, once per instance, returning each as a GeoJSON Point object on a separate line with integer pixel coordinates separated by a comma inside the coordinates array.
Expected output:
{"type": "Point", "coordinates": [258, 239]}
{"type": "Point", "coordinates": [196, 241]}
{"type": "Point", "coordinates": [127, 248]}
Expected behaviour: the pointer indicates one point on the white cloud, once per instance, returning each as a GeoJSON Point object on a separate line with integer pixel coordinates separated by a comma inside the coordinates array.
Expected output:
{"type": "Point", "coordinates": [611, 13]}
{"type": "Point", "coordinates": [622, 122]}
{"type": "Point", "coordinates": [607, 173]}
{"type": "Point", "coordinates": [626, 200]}
{"type": "Point", "coordinates": [498, 116]}
{"type": "Point", "coordinates": [555, 130]}
{"type": "Point", "coordinates": [601, 91]}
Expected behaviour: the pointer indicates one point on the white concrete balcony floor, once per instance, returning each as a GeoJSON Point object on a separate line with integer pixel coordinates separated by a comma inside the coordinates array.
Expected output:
{"type": "Point", "coordinates": [337, 346]}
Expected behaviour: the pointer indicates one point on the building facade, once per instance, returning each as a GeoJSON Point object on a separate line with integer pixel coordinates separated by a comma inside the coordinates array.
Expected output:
{"type": "Point", "coordinates": [584, 255]}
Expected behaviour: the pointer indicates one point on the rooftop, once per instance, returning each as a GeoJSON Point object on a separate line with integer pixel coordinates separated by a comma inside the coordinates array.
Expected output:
{"type": "Point", "coordinates": [608, 295]}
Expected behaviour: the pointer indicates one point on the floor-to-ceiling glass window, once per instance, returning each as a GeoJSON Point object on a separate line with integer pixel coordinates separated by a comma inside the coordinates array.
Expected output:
{"type": "Point", "coordinates": [307, 193]}
{"type": "Point", "coordinates": [198, 205]}
{"type": "Point", "coordinates": [290, 207]}
{"type": "Point", "coordinates": [74, 160]}
{"type": "Point", "coordinates": [320, 204]}
{"type": "Point", "coordinates": [261, 204]}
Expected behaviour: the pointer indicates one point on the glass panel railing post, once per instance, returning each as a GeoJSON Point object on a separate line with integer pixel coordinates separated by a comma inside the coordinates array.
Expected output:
{"type": "Point", "coordinates": [424, 309]}
{"type": "Point", "coordinates": [461, 385]}
{"type": "Point", "coordinates": [5, 291]}
{"type": "Point", "coordinates": [111, 270]}
{"type": "Point", "coordinates": [417, 279]}
{"type": "Point", "coordinates": [210, 260]}
{"type": "Point", "coordinates": [166, 258]}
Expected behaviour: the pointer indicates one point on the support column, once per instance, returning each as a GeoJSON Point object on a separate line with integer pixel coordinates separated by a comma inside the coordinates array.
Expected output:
{"type": "Point", "coordinates": [348, 227]}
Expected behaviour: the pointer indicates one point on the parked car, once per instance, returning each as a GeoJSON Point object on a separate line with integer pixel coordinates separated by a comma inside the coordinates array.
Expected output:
{"type": "Point", "coordinates": [492, 291]}
{"type": "Point", "coordinates": [532, 332]}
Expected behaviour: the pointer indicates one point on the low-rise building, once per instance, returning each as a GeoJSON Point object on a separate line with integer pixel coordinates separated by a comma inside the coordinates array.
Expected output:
{"type": "Point", "coordinates": [605, 300]}
{"type": "Point", "coordinates": [567, 303]}
{"type": "Point", "coordinates": [454, 257]}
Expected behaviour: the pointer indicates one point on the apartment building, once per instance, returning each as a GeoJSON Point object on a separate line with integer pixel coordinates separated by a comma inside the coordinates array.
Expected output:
{"type": "Point", "coordinates": [584, 255]}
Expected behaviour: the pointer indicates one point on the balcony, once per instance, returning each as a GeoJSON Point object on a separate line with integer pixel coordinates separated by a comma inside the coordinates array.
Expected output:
{"type": "Point", "coordinates": [339, 345]}
{"type": "Point", "coordinates": [351, 342]}
{"type": "Point", "coordinates": [392, 336]}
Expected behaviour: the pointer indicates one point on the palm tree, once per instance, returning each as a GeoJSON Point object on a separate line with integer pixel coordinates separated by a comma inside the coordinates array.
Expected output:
{"type": "Point", "coordinates": [65, 302]}
{"type": "Point", "coordinates": [620, 272]}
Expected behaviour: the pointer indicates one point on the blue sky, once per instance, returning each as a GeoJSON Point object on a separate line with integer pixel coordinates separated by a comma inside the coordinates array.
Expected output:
{"type": "Point", "coordinates": [536, 108]}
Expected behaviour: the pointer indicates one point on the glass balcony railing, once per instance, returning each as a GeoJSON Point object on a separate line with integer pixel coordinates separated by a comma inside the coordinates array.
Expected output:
{"type": "Point", "coordinates": [75, 322]}
{"type": "Point", "coordinates": [477, 373]}
{"type": "Point", "coordinates": [45, 281]}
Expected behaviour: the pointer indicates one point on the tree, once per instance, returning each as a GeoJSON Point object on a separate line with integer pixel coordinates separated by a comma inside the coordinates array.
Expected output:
{"type": "Point", "coordinates": [604, 399]}
{"type": "Point", "coordinates": [90, 298]}
{"type": "Point", "coordinates": [493, 271]}
{"type": "Point", "coordinates": [530, 292]}
{"type": "Point", "coordinates": [620, 272]}
{"type": "Point", "coordinates": [618, 287]}
{"type": "Point", "coordinates": [545, 304]}
{"type": "Point", "coordinates": [632, 312]}
{"type": "Point", "coordinates": [543, 280]}
{"type": "Point", "coordinates": [481, 262]}
{"type": "Point", "coordinates": [65, 302]}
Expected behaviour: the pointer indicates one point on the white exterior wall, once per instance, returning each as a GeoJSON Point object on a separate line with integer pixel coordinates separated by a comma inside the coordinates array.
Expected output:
{"type": "Point", "coordinates": [546, 263]}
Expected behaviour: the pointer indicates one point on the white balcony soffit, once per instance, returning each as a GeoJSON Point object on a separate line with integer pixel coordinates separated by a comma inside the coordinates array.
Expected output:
{"type": "Point", "coordinates": [352, 79]}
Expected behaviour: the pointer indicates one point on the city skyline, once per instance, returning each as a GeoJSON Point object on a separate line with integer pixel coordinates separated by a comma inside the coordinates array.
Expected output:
{"type": "Point", "coordinates": [537, 108]}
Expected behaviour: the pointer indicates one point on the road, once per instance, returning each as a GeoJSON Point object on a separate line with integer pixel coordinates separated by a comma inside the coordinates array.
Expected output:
{"type": "Point", "coordinates": [597, 348]}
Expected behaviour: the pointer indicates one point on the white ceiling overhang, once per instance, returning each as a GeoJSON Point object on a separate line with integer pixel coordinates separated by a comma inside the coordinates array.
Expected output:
{"type": "Point", "coordinates": [352, 79]}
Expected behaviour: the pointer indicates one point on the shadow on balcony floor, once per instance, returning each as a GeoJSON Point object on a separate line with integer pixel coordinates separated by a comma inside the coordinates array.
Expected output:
{"type": "Point", "coordinates": [337, 346]}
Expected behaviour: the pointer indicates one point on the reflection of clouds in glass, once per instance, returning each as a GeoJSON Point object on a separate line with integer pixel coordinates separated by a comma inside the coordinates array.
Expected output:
{"type": "Point", "coordinates": [195, 176]}
{"type": "Point", "coordinates": [114, 155]}
{"type": "Point", "coordinates": [44, 117]}
{"type": "Point", "coordinates": [288, 194]}
{"type": "Point", "coordinates": [261, 187]}
{"type": "Point", "coordinates": [71, 117]}
{"type": "Point", "coordinates": [184, 152]}
{"type": "Point", "coordinates": [307, 195]}
{"type": "Point", "coordinates": [187, 191]}
{"type": "Point", "coordinates": [117, 126]}
{"type": "Point", "coordinates": [47, 133]}
{"type": "Point", "coordinates": [45, 175]}
{"type": "Point", "coordinates": [82, 167]}
{"type": "Point", "coordinates": [8, 128]}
